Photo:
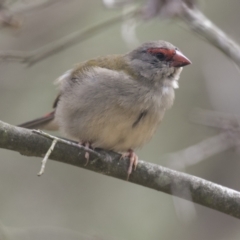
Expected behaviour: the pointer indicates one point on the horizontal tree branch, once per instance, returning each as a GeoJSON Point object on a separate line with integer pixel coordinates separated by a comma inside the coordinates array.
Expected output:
{"type": "Point", "coordinates": [108, 163]}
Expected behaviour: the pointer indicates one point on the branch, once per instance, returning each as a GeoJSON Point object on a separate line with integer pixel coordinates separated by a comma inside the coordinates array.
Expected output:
{"type": "Point", "coordinates": [147, 174]}
{"type": "Point", "coordinates": [219, 120]}
{"type": "Point", "coordinates": [229, 137]}
{"type": "Point", "coordinates": [9, 13]}
{"type": "Point", "coordinates": [202, 150]}
{"type": "Point", "coordinates": [31, 7]}
{"type": "Point", "coordinates": [199, 23]}
{"type": "Point", "coordinates": [35, 56]}
{"type": "Point", "coordinates": [188, 11]}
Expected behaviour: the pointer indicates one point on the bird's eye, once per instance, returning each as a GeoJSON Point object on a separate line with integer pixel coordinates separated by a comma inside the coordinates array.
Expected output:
{"type": "Point", "coordinates": [160, 56]}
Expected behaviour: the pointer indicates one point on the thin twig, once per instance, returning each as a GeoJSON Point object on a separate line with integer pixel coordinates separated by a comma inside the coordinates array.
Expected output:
{"type": "Point", "coordinates": [86, 148]}
{"type": "Point", "coordinates": [147, 174]}
{"type": "Point", "coordinates": [44, 161]}
{"type": "Point", "coordinates": [58, 139]}
{"type": "Point", "coordinates": [67, 142]}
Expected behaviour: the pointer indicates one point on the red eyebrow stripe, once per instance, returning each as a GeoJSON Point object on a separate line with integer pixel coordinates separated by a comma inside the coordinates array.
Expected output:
{"type": "Point", "coordinates": [155, 50]}
{"type": "Point", "coordinates": [169, 53]}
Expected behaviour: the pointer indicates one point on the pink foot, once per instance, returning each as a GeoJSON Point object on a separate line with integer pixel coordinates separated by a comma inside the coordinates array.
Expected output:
{"type": "Point", "coordinates": [133, 161]}
{"type": "Point", "coordinates": [87, 145]}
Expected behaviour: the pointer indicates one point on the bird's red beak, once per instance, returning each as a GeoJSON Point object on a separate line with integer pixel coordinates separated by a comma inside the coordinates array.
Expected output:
{"type": "Point", "coordinates": [179, 60]}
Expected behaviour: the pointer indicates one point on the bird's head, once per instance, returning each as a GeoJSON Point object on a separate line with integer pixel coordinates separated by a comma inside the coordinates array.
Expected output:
{"type": "Point", "coordinates": [157, 60]}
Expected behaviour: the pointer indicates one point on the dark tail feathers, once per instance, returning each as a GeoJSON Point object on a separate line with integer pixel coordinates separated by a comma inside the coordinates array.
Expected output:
{"type": "Point", "coordinates": [39, 123]}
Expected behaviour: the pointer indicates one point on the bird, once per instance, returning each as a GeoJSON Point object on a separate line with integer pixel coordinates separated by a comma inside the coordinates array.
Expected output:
{"type": "Point", "coordinates": [116, 102]}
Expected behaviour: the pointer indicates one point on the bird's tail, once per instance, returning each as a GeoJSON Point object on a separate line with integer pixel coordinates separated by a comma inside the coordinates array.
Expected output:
{"type": "Point", "coordinates": [46, 122]}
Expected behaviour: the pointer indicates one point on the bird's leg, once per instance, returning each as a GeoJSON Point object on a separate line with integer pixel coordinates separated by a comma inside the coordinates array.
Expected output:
{"type": "Point", "coordinates": [133, 161]}
{"type": "Point", "coordinates": [87, 145]}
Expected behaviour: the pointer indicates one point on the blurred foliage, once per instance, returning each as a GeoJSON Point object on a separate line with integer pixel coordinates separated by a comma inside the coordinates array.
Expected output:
{"type": "Point", "coordinates": [71, 203]}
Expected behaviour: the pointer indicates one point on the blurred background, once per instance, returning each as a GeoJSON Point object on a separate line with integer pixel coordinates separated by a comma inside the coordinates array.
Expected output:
{"type": "Point", "coordinates": [73, 203]}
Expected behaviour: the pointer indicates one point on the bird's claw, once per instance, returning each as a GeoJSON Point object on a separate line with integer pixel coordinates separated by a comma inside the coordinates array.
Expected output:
{"type": "Point", "coordinates": [87, 145]}
{"type": "Point", "coordinates": [133, 161]}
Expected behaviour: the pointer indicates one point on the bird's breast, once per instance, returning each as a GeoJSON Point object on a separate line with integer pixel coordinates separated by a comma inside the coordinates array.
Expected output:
{"type": "Point", "coordinates": [132, 129]}
{"type": "Point", "coordinates": [118, 116]}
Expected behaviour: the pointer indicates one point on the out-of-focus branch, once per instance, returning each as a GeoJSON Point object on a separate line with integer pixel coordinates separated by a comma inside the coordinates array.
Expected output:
{"type": "Point", "coordinates": [33, 6]}
{"type": "Point", "coordinates": [220, 120]}
{"type": "Point", "coordinates": [228, 138]}
{"type": "Point", "coordinates": [185, 9]}
{"type": "Point", "coordinates": [40, 54]}
{"type": "Point", "coordinates": [108, 163]}
{"type": "Point", "coordinates": [7, 18]}
{"type": "Point", "coordinates": [228, 124]}
{"type": "Point", "coordinates": [200, 24]}
{"type": "Point", "coordinates": [189, 12]}
{"type": "Point", "coordinates": [9, 13]}
{"type": "Point", "coordinates": [202, 150]}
